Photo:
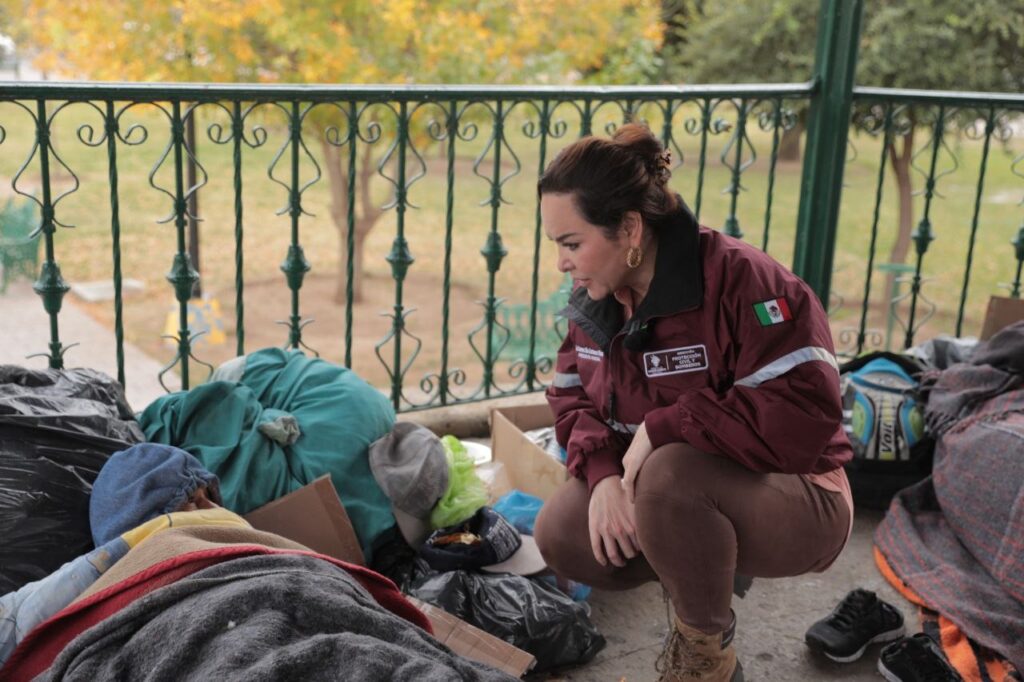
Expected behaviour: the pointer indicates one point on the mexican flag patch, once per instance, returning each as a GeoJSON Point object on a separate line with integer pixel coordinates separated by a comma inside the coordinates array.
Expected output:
{"type": "Point", "coordinates": [772, 312]}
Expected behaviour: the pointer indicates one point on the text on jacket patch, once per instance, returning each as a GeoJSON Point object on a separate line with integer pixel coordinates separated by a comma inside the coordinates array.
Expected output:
{"type": "Point", "coordinates": [676, 360]}
{"type": "Point", "coordinates": [592, 354]}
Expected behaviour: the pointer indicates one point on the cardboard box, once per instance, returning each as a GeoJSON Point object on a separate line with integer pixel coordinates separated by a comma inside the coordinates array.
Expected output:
{"type": "Point", "coordinates": [313, 516]}
{"type": "Point", "coordinates": [526, 466]}
{"type": "Point", "coordinates": [473, 643]}
{"type": "Point", "coordinates": [1001, 313]}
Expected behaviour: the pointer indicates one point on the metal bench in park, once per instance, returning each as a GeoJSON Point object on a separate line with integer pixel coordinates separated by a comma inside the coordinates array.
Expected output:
{"type": "Point", "coordinates": [19, 241]}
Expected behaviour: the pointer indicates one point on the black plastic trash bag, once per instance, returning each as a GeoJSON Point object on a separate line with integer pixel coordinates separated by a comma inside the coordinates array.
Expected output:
{"type": "Point", "coordinates": [532, 615]}
{"type": "Point", "coordinates": [57, 428]}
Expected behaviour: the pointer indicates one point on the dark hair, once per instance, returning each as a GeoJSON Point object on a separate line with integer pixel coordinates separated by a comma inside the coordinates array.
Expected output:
{"type": "Point", "coordinates": [608, 177]}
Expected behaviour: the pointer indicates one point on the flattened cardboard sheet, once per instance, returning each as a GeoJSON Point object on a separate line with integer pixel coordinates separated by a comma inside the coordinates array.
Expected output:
{"type": "Point", "coordinates": [473, 643]}
{"type": "Point", "coordinates": [313, 516]}
{"type": "Point", "coordinates": [1001, 313]}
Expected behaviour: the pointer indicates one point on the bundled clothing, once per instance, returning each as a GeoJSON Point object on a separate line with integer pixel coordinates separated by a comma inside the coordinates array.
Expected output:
{"type": "Point", "coordinates": [278, 422]}
{"type": "Point", "coordinates": [955, 538]}
{"type": "Point", "coordinates": [958, 393]}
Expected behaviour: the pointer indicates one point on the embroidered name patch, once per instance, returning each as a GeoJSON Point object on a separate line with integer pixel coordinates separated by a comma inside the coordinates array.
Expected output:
{"type": "Point", "coordinates": [772, 312]}
{"type": "Point", "coordinates": [660, 363]}
{"type": "Point", "coordinates": [591, 354]}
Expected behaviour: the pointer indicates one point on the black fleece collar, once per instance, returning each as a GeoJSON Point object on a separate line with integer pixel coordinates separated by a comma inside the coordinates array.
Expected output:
{"type": "Point", "coordinates": [677, 286]}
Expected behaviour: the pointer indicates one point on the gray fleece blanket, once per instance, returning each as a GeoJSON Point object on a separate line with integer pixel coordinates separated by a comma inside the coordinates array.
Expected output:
{"type": "Point", "coordinates": [276, 617]}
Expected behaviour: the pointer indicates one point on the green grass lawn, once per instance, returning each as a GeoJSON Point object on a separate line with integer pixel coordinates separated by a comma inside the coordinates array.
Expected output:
{"type": "Point", "coordinates": [84, 252]}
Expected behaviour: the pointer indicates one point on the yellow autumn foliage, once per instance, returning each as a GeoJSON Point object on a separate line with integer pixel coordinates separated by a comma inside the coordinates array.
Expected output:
{"type": "Point", "coordinates": [318, 41]}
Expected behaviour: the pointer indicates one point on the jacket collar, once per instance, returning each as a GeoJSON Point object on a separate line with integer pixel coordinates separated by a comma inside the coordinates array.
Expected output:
{"type": "Point", "coordinates": [677, 286]}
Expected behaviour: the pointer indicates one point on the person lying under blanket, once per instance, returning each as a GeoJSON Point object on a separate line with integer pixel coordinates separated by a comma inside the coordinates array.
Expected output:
{"type": "Point", "coordinates": [178, 587]}
{"type": "Point", "coordinates": [143, 489]}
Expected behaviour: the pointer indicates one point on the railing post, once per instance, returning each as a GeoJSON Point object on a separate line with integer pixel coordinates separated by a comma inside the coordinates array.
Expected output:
{"type": "Point", "coordinates": [828, 126]}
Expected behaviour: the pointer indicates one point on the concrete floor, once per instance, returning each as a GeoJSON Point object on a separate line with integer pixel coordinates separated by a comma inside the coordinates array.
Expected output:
{"type": "Point", "coordinates": [771, 621]}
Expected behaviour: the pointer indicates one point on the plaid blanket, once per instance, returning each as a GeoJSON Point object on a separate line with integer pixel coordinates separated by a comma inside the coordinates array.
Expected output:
{"type": "Point", "coordinates": [957, 538]}
{"type": "Point", "coordinates": [955, 394]}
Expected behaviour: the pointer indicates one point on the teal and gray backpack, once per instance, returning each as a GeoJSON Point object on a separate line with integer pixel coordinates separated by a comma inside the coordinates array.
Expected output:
{"type": "Point", "coordinates": [885, 425]}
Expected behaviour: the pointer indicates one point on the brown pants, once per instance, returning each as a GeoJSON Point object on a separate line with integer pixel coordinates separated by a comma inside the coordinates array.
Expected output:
{"type": "Point", "coordinates": [700, 519]}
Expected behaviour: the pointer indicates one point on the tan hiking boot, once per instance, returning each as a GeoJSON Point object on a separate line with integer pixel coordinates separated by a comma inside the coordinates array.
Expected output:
{"type": "Point", "coordinates": [691, 655]}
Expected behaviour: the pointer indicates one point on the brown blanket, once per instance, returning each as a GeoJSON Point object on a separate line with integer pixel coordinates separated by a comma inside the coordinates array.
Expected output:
{"type": "Point", "coordinates": [177, 541]}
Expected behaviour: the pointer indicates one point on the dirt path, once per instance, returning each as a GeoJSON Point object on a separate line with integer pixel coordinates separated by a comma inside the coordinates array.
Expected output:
{"type": "Point", "coordinates": [26, 330]}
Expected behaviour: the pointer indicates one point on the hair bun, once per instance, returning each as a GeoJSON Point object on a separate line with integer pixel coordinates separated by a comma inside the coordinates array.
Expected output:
{"type": "Point", "coordinates": [638, 139]}
{"type": "Point", "coordinates": [660, 167]}
{"type": "Point", "coordinates": [609, 177]}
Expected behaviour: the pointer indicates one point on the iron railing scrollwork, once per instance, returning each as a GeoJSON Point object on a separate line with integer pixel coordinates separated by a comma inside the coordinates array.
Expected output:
{"type": "Point", "coordinates": [504, 136]}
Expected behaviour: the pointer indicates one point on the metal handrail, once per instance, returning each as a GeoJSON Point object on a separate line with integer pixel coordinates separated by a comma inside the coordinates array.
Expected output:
{"type": "Point", "coordinates": [962, 99]}
{"type": "Point", "coordinates": [206, 92]}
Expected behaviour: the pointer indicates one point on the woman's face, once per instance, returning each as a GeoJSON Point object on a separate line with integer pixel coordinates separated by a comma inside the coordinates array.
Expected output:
{"type": "Point", "coordinates": [200, 499]}
{"type": "Point", "coordinates": [584, 251]}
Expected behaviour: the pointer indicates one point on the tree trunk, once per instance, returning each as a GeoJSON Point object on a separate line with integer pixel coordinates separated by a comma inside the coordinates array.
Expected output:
{"type": "Point", "coordinates": [358, 276]}
{"type": "Point", "coordinates": [789, 144]}
{"type": "Point", "coordinates": [338, 181]}
{"type": "Point", "coordinates": [358, 279]}
{"type": "Point", "coordinates": [900, 162]}
{"type": "Point", "coordinates": [362, 230]}
{"type": "Point", "coordinates": [365, 219]}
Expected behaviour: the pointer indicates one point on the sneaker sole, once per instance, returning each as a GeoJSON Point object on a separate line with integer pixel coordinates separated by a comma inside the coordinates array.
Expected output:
{"type": "Point", "coordinates": [883, 637]}
{"type": "Point", "coordinates": [886, 673]}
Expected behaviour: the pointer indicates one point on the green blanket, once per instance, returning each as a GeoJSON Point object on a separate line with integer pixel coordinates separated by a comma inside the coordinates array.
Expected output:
{"type": "Point", "coordinates": [338, 416]}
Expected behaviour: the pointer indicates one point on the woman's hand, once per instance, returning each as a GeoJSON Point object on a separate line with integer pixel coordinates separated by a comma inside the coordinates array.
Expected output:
{"type": "Point", "coordinates": [639, 450]}
{"type": "Point", "coordinates": [612, 523]}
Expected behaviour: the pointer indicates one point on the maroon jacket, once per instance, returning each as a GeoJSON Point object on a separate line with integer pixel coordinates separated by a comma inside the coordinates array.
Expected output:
{"type": "Point", "coordinates": [729, 352]}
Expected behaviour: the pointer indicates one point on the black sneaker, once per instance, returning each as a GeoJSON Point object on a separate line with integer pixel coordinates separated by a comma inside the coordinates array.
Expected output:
{"type": "Point", "coordinates": [859, 620]}
{"type": "Point", "coordinates": [916, 659]}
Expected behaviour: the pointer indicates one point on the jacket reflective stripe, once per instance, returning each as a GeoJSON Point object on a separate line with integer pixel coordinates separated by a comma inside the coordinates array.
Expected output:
{"type": "Point", "coordinates": [566, 380]}
{"type": "Point", "coordinates": [787, 362]}
{"type": "Point", "coordinates": [622, 428]}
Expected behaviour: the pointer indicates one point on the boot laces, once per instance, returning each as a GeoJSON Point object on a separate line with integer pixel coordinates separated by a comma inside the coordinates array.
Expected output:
{"type": "Point", "coordinates": [666, 658]}
{"type": "Point", "coordinates": [679, 656]}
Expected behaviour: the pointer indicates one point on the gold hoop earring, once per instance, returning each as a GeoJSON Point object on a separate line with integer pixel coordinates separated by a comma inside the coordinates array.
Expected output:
{"type": "Point", "coordinates": [633, 257]}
